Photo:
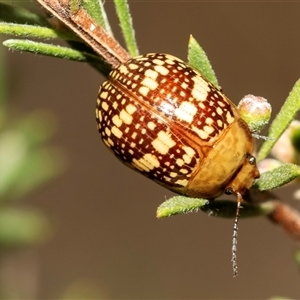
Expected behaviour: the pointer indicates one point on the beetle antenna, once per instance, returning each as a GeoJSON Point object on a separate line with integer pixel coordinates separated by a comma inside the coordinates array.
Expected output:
{"type": "Point", "coordinates": [235, 235]}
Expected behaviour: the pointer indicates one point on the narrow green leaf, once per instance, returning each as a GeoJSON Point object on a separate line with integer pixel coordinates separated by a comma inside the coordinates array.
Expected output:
{"type": "Point", "coordinates": [295, 136]}
{"type": "Point", "coordinates": [42, 164]}
{"type": "Point", "coordinates": [14, 14]}
{"type": "Point", "coordinates": [178, 205]}
{"type": "Point", "coordinates": [198, 59]}
{"type": "Point", "coordinates": [297, 257]}
{"type": "Point", "coordinates": [286, 115]}
{"type": "Point", "coordinates": [74, 5]}
{"type": "Point", "coordinates": [37, 127]}
{"type": "Point", "coordinates": [123, 13]}
{"type": "Point", "coordinates": [45, 49]}
{"type": "Point", "coordinates": [277, 177]}
{"type": "Point", "coordinates": [13, 149]}
{"type": "Point", "coordinates": [23, 227]}
{"type": "Point", "coordinates": [104, 19]}
{"type": "Point", "coordinates": [3, 85]}
{"type": "Point", "coordinates": [58, 52]}
{"type": "Point", "coordinates": [22, 152]}
{"type": "Point", "coordinates": [227, 209]}
{"type": "Point", "coordinates": [95, 9]}
{"type": "Point", "coordinates": [34, 31]}
{"type": "Point", "coordinates": [219, 208]}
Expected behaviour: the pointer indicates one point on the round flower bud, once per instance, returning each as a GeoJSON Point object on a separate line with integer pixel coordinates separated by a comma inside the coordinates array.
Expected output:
{"type": "Point", "coordinates": [255, 111]}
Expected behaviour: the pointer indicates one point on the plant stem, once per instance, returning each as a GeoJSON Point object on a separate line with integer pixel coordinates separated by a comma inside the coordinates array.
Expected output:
{"type": "Point", "coordinates": [83, 25]}
{"type": "Point", "coordinates": [287, 217]}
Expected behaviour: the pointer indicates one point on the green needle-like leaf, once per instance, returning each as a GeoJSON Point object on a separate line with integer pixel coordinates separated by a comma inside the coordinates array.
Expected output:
{"type": "Point", "coordinates": [59, 52]}
{"type": "Point", "coordinates": [95, 9]}
{"type": "Point", "coordinates": [21, 30]}
{"type": "Point", "coordinates": [286, 115]}
{"type": "Point", "coordinates": [2, 86]}
{"type": "Point", "coordinates": [37, 127]}
{"type": "Point", "coordinates": [104, 19]}
{"type": "Point", "coordinates": [23, 227]}
{"type": "Point", "coordinates": [43, 165]}
{"type": "Point", "coordinates": [295, 138]}
{"type": "Point", "coordinates": [297, 257]}
{"type": "Point", "coordinates": [44, 49]}
{"type": "Point", "coordinates": [219, 208]}
{"type": "Point", "coordinates": [178, 205]}
{"type": "Point", "coordinates": [198, 59]}
{"type": "Point", "coordinates": [123, 12]}
{"type": "Point", "coordinates": [277, 177]}
{"type": "Point", "coordinates": [22, 153]}
{"type": "Point", "coordinates": [14, 14]}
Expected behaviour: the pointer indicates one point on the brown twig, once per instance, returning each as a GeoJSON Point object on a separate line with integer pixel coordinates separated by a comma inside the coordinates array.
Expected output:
{"type": "Point", "coordinates": [286, 217]}
{"type": "Point", "coordinates": [85, 27]}
{"type": "Point", "coordinates": [282, 214]}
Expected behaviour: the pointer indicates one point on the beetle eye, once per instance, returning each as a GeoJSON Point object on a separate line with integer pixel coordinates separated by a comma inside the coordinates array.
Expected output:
{"type": "Point", "coordinates": [252, 160]}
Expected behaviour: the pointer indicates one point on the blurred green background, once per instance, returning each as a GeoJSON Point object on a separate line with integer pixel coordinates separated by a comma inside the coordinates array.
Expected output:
{"type": "Point", "coordinates": [91, 231]}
